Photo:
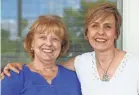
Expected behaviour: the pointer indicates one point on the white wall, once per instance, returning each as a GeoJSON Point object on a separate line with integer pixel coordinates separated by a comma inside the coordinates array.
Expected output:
{"type": "Point", "coordinates": [131, 26]}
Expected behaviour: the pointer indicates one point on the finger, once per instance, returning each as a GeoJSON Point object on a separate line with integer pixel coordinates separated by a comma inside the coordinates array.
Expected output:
{"type": "Point", "coordinates": [2, 76]}
{"type": "Point", "coordinates": [6, 72]}
{"type": "Point", "coordinates": [16, 65]}
{"type": "Point", "coordinates": [19, 66]}
{"type": "Point", "coordinates": [13, 68]}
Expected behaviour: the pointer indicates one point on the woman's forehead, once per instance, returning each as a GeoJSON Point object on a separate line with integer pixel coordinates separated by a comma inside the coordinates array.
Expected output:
{"type": "Point", "coordinates": [46, 33]}
{"type": "Point", "coordinates": [107, 19]}
{"type": "Point", "coordinates": [52, 34]}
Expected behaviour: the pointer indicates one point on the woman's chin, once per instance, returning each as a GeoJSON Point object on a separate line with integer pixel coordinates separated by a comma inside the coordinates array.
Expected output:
{"type": "Point", "coordinates": [47, 58]}
{"type": "Point", "coordinates": [100, 49]}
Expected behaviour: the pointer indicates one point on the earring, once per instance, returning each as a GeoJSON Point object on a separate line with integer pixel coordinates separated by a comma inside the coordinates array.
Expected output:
{"type": "Point", "coordinates": [31, 49]}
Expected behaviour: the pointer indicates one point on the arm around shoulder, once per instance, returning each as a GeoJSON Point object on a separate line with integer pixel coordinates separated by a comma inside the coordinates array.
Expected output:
{"type": "Point", "coordinates": [69, 64]}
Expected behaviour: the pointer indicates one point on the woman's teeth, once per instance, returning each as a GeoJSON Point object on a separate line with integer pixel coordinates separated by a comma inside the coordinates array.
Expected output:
{"type": "Point", "coordinates": [100, 40]}
{"type": "Point", "coordinates": [47, 50]}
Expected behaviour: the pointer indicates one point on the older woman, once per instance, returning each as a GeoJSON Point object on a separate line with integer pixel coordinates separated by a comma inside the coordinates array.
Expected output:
{"type": "Point", "coordinates": [107, 70]}
{"type": "Point", "coordinates": [45, 42]}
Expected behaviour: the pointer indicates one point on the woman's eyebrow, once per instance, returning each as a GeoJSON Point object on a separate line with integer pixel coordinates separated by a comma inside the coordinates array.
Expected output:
{"type": "Point", "coordinates": [107, 24]}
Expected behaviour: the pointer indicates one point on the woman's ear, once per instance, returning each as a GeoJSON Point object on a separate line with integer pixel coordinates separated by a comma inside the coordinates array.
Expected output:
{"type": "Point", "coordinates": [85, 35]}
{"type": "Point", "coordinates": [32, 44]}
{"type": "Point", "coordinates": [116, 35]}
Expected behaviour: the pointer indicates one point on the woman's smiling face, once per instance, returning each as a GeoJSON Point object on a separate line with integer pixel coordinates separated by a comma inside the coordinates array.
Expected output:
{"type": "Point", "coordinates": [47, 46]}
{"type": "Point", "coordinates": [101, 34]}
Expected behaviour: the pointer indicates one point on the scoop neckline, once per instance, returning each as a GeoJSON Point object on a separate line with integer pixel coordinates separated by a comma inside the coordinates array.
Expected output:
{"type": "Point", "coordinates": [58, 73]}
{"type": "Point", "coordinates": [116, 73]}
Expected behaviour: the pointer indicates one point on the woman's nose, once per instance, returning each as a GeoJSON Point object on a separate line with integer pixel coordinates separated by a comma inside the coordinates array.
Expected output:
{"type": "Point", "coordinates": [48, 42]}
{"type": "Point", "coordinates": [101, 31]}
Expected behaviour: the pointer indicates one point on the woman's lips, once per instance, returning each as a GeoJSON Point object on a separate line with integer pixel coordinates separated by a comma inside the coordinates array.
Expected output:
{"type": "Point", "coordinates": [47, 50]}
{"type": "Point", "coordinates": [100, 40]}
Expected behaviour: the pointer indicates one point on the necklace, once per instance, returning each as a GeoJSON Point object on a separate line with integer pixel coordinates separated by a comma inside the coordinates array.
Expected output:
{"type": "Point", "coordinates": [105, 75]}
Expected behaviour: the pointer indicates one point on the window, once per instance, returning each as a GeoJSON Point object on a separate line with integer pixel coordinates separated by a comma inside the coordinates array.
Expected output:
{"type": "Point", "coordinates": [17, 16]}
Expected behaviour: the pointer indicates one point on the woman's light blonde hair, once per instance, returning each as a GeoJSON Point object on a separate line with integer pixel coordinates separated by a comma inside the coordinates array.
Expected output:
{"type": "Point", "coordinates": [102, 11]}
{"type": "Point", "coordinates": [49, 24]}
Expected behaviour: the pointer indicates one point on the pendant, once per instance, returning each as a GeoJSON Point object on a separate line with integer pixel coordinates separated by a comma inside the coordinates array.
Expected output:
{"type": "Point", "coordinates": [105, 77]}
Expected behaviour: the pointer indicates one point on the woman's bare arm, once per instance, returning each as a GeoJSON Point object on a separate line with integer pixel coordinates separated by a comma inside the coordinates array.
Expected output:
{"type": "Point", "coordinates": [69, 64]}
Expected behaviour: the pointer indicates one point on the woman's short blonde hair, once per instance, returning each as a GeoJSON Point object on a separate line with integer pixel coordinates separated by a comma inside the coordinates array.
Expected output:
{"type": "Point", "coordinates": [49, 24]}
{"type": "Point", "coordinates": [102, 11]}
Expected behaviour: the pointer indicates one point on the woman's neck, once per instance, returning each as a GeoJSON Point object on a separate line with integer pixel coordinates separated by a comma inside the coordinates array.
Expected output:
{"type": "Point", "coordinates": [48, 69]}
{"type": "Point", "coordinates": [44, 65]}
{"type": "Point", "coordinates": [104, 58]}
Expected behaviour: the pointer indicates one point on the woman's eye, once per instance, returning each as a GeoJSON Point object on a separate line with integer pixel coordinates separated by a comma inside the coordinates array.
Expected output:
{"type": "Point", "coordinates": [108, 27]}
{"type": "Point", "coordinates": [43, 37]}
{"type": "Point", "coordinates": [55, 39]}
{"type": "Point", "coordinates": [94, 25]}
